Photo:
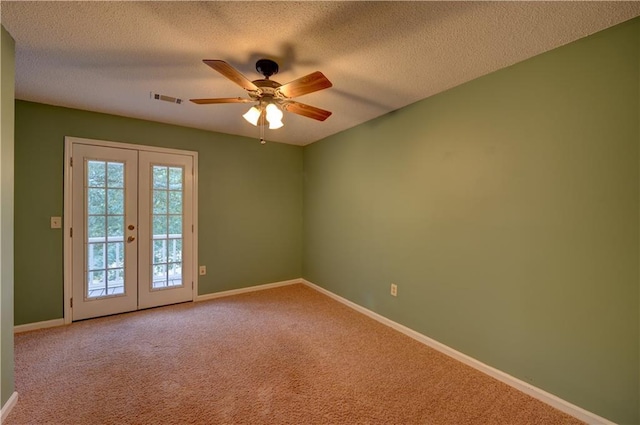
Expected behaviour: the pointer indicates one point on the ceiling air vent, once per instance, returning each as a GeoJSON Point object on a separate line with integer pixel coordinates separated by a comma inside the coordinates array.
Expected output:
{"type": "Point", "coordinates": [158, 96]}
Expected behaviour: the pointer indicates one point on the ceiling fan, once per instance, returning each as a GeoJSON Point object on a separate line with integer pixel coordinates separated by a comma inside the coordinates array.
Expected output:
{"type": "Point", "coordinates": [270, 95]}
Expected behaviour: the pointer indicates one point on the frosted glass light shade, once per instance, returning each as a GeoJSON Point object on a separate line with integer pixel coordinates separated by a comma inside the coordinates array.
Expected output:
{"type": "Point", "coordinates": [252, 115]}
{"type": "Point", "coordinates": [273, 125]}
{"type": "Point", "coordinates": [274, 116]}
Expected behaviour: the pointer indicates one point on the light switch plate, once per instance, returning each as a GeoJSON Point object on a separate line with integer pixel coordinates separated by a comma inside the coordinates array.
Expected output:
{"type": "Point", "coordinates": [56, 222]}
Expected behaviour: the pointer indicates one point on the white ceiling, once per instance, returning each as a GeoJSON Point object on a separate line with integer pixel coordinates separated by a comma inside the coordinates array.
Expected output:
{"type": "Point", "coordinates": [380, 56]}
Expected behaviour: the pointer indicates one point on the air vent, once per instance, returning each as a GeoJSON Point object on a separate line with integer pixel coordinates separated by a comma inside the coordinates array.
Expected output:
{"type": "Point", "coordinates": [165, 98]}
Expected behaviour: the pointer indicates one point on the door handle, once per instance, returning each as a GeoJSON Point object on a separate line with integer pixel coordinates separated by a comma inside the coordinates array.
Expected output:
{"type": "Point", "coordinates": [131, 239]}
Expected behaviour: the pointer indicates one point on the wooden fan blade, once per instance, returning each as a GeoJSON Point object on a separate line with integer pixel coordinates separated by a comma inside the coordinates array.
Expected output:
{"type": "Point", "coordinates": [231, 73]}
{"type": "Point", "coordinates": [222, 100]}
{"type": "Point", "coordinates": [306, 110]}
{"type": "Point", "coordinates": [305, 85]}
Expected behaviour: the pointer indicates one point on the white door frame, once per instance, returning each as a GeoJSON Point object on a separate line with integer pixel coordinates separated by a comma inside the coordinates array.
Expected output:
{"type": "Point", "coordinates": [68, 208]}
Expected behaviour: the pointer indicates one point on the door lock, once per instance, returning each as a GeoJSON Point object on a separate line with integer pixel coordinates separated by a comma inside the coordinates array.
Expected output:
{"type": "Point", "coordinates": [131, 227]}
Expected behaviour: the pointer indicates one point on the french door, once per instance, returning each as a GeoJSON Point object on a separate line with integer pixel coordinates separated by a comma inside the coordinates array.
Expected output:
{"type": "Point", "coordinates": [131, 229]}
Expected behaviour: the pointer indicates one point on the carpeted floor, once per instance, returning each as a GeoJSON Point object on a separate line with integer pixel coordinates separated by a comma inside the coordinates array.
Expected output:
{"type": "Point", "coordinates": [287, 355]}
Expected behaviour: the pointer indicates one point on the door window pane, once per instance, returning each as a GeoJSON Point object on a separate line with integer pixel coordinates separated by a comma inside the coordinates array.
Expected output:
{"type": "Point", "coordinates": [175, 178]}
{"type": "Point", "coordinates": [175, 251]}
{"type": "Point", "coordinates": [174, 273]}
{"type": "Point", "coordinates": [159, 225]}
{"type": "Point", "coordinates": [95, 226]}
{"type": "Point", "coordinates": [115, 282]}
{"type": "Point", "coordinates": [175, 202]}
{"type": "Point", "coordinates": [115, 227]}
{"type": "Point", "coordinates": [175, 225]}
{"type": "Point", "coordinates": [159, 272]}
{"type": "Point", "coordinates": [159, 201]}
{"type": "Point", "coordinates": [166, 238]}
{"type": "Point", "coordinates": [115, 255]}
{"type": "Point", "coordinates": [115, 175]}
{"type": "Point", "coordinates": [105, 206]}
{"type": "Point", "coordinates": [115, 201]}
{"type": "Point", "coordinates": [96, 253]}
{"type": "Point", "coordinates": [96, 201]}
{"type": "Point", "coordinates": [160, 175]}
{"type": "Point", "coordinates": [159, 251]}
{"type": "Point", "coordinates": [96, 173]}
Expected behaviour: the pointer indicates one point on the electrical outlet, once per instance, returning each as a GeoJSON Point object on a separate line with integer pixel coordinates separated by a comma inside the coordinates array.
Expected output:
{"type": "Point", "coordinates": [394, 289]}
{"type": "Point", "coordinates": [202, 270]}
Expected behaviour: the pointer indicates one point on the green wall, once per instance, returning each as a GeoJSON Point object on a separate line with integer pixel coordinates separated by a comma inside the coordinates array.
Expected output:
{"type": "Point", "coordinates": [507, 212]}
{"type": "Point", "coordinates": [7, 78]}
{"type": "Point", "coordinates": [250, 202]}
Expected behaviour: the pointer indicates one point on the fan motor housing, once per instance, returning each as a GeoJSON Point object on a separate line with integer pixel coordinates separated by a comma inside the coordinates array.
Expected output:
{"type": "Point", "coordinates": [266, 84]}
{"type": "Point", "coordinates": [267, 67]}
{"type": "Point", "coordinates": [267, 88]}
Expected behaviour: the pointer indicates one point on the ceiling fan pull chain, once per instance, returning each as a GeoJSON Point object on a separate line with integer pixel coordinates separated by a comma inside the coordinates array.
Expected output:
{"type": "Point", "coordinates": [262, 141]}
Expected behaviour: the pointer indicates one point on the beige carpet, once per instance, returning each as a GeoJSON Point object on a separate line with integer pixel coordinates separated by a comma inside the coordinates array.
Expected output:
{"type": "Point", "coordinates": [288, 355]}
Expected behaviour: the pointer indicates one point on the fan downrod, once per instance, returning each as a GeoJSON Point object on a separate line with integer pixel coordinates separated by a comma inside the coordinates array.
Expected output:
{"type": "Point", "coordinates": [267, 67]}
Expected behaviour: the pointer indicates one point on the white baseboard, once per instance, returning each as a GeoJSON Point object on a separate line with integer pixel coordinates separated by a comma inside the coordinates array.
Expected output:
{"type": "Point", "coordinates": [38, 325]}
{"type": "Point", "coordinates": [535, 392]}
{"type": "Point", "coordinates": [215, 295]}
{"type": "Point", "coordinates": [6, 409]}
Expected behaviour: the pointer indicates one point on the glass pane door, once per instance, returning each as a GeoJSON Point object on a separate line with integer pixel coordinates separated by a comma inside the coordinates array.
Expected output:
{"type": "Point", "coordinates": [166, 227]}
{"type": "Point", "coordinates": [104, 225]}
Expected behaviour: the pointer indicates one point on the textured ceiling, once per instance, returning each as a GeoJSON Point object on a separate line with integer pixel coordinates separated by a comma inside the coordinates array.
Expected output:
{"type": "Point", "coordinates": [380, 56]}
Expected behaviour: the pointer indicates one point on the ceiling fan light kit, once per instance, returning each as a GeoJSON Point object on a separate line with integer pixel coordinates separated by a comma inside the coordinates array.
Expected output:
{"type": "Point", "coordinates": [270, 97]}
